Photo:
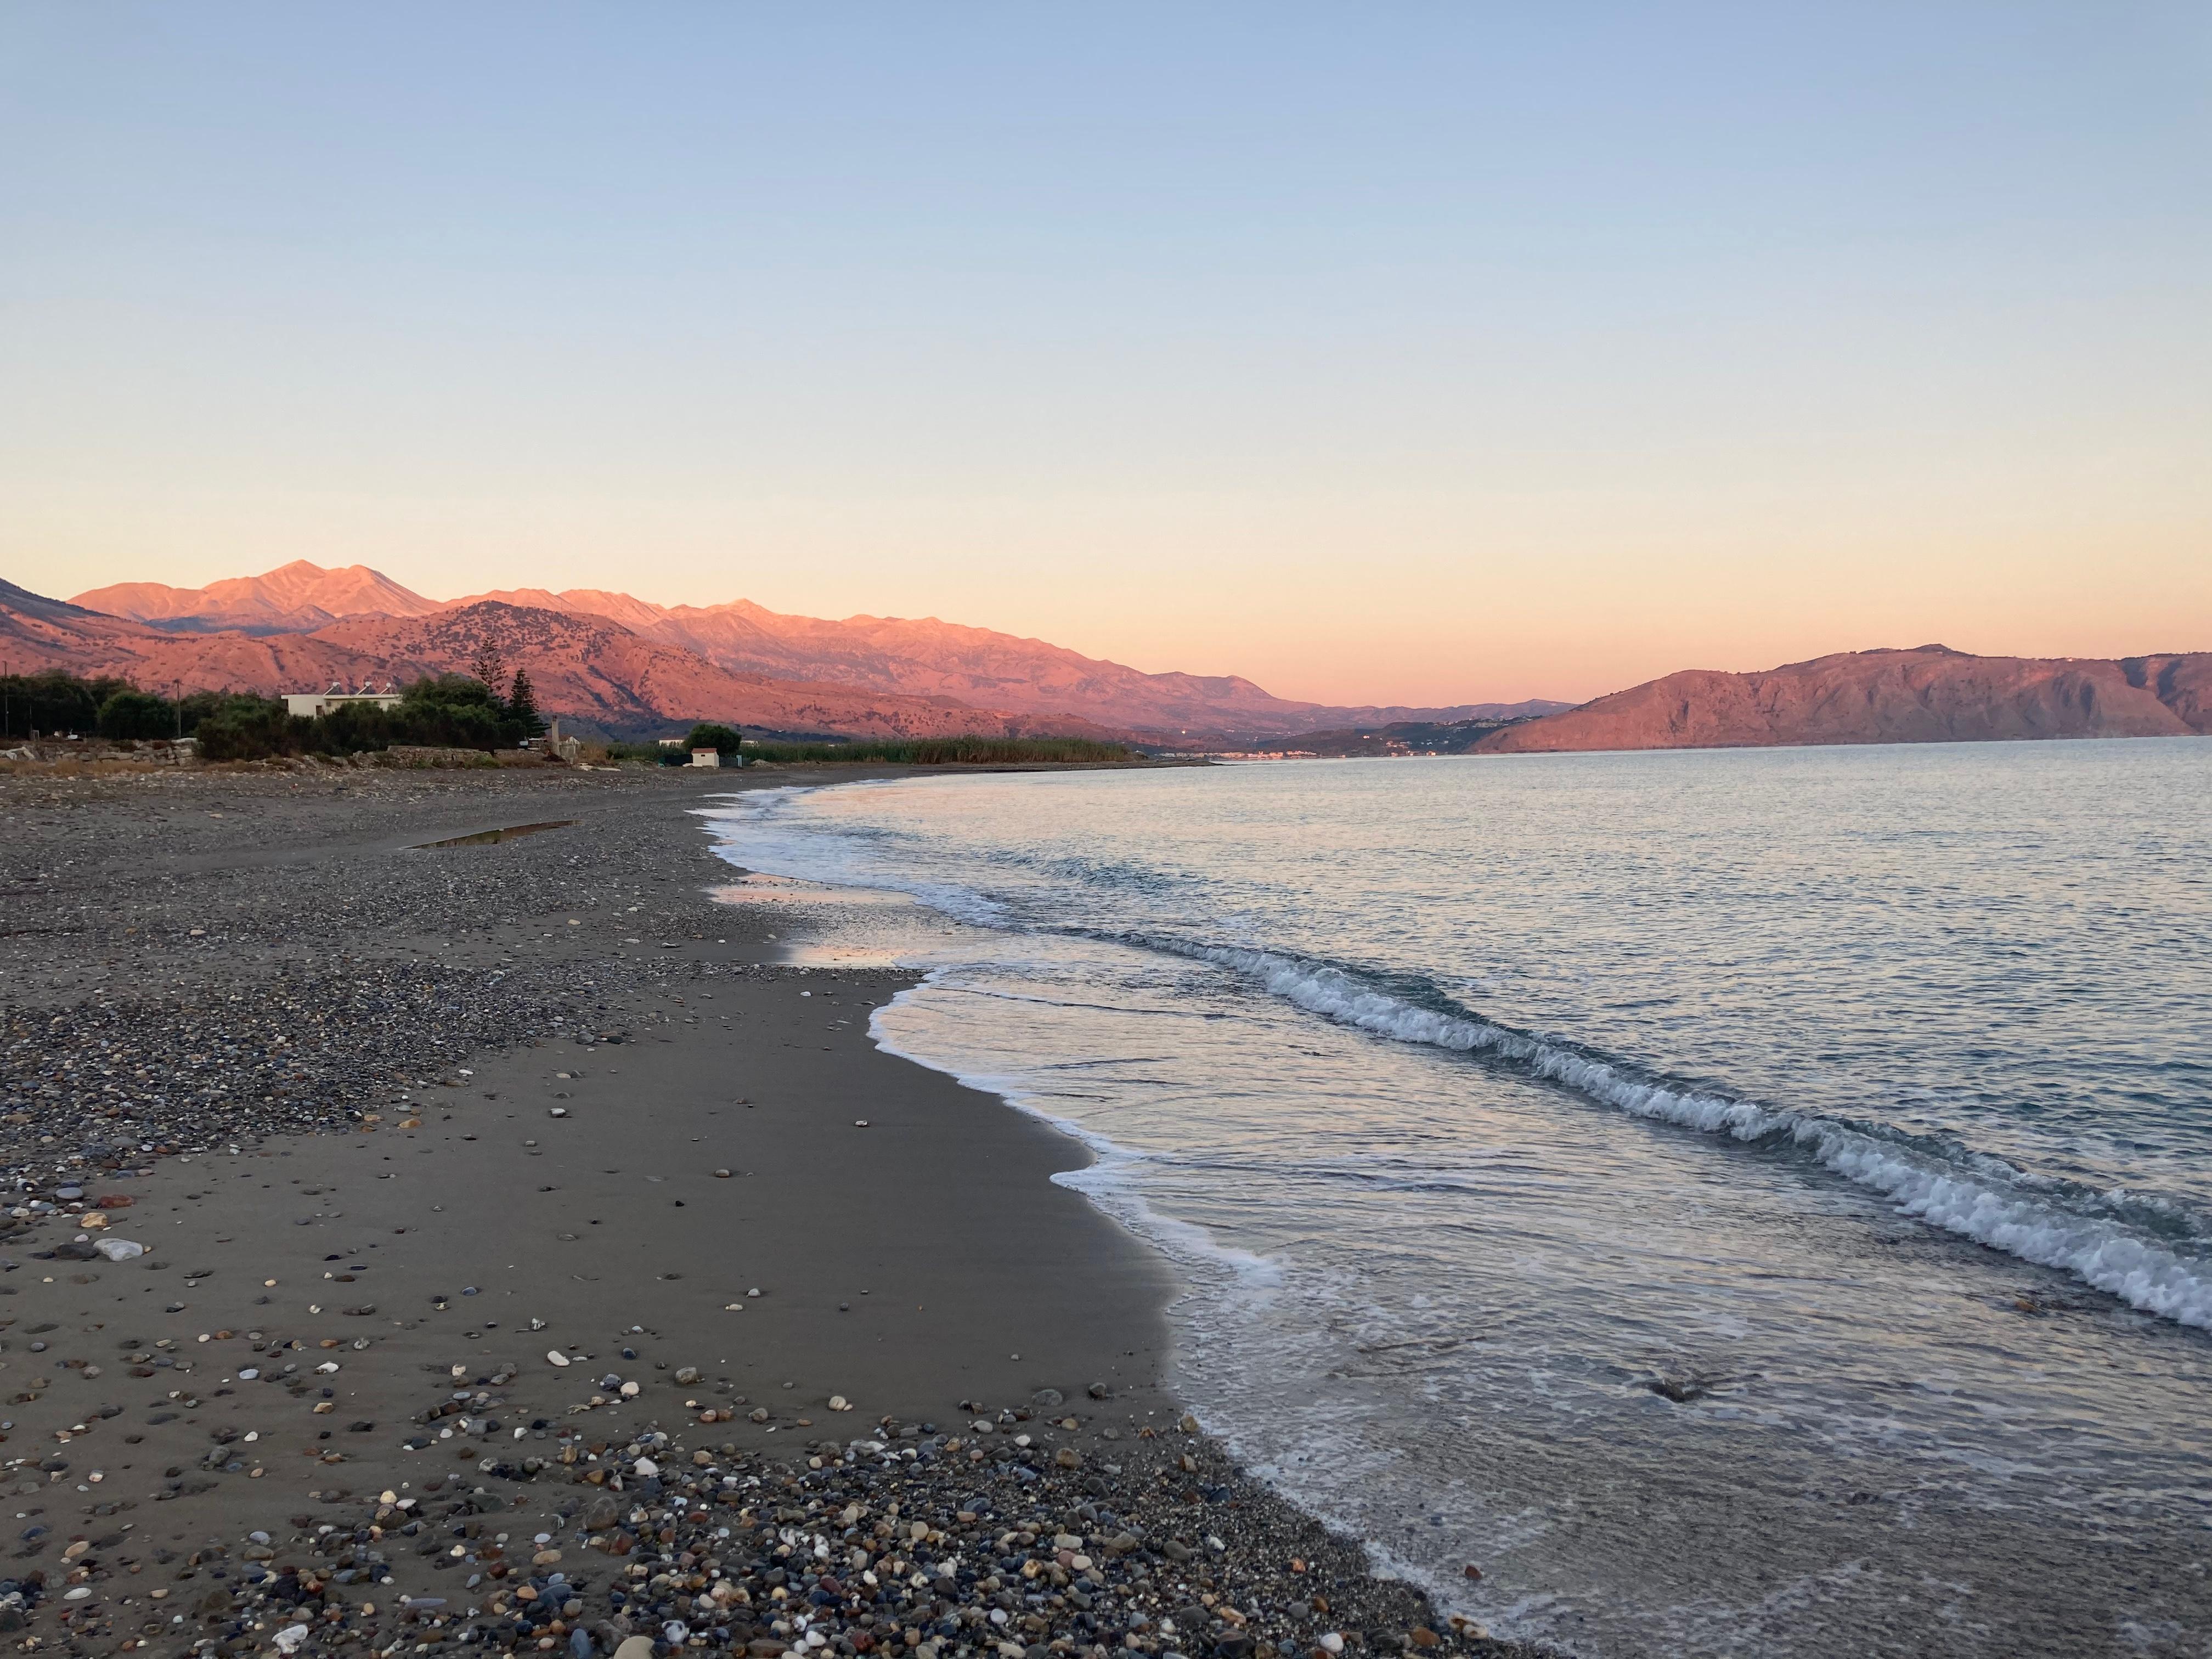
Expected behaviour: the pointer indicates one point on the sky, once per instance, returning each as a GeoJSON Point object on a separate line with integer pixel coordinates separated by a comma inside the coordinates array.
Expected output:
{"type": "Point", "coordinates": [1415, 353]}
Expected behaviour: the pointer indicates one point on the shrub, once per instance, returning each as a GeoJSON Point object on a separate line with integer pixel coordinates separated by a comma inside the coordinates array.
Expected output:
{"type": "Point", "coordinates": [53, 703]}
{"type": "Point", "coordinates": [133, 713]}
{"type": "Point", "coordinates": [708, 735]}
{"type": "Point", "coordinates": [251, 728]}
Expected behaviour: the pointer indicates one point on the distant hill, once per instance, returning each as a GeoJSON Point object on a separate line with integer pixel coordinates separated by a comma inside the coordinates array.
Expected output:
{"type": "Point", "coordinates": [595, 670]}
{"type": "Point", "coordinates": [38, 633]}
{"type": "Point", "coordinates": [585, 669]}
{"type": "Point", "coordinates": [294, 599]}
{"type": "Point", "coordinates": [927, 657]}
{"type": "Point", "coordinates": [1930, 694]}
{"type": "Point", "coordinates": [894, 656]}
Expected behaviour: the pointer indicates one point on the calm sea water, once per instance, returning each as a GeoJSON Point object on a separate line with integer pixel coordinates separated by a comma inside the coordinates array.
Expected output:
{"type": "Point", "coordinates": [1741, 1203]}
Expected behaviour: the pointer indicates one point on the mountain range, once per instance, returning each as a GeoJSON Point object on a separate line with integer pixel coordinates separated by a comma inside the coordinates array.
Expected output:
{"type": "Point", "coordinates": [626, 665]}
{"type": "Point", "coordinates": [591, 672]}
{"type": "Point", "coordinates": [1930, 694]}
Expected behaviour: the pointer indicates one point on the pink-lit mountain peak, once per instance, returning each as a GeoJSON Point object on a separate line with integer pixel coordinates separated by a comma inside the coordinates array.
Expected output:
{"type": "Point", "coordinates": [294, 597]}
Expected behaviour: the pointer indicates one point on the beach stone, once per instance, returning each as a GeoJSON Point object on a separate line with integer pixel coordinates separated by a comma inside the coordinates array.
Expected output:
{"type": "Point", "coordinates": [689, 1374]}
{"type": "Point", "coordinates": [1068, 1458]}
{"type": "Point", "coordinates": [1048, 1399]}
{"type": "Point", "coordinates": [641, 1647]}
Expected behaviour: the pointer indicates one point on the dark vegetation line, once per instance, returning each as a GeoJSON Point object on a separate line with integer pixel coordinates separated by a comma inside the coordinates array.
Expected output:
{"type": "Point", "coordinates": [448, 710]}
{"type": "Point", "coordinates": [939, 751]}
{"type": "Point", "coordinates": [458, 711]}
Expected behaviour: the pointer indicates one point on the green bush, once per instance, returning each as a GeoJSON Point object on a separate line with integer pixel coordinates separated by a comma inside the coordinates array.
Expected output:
{"type": "Point", "coordinates": [452, 711]}
{"type": "Point", "coordinates": [133, 714]}
{"type": "Point", "coordinates": [52, 704]}
{"type": "Point", "coordinates": [248, 728]}
{"type": "Point", "coordinates": [708, 735]}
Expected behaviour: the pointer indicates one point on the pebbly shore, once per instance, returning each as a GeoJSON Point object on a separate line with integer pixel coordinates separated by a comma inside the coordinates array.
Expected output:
{"type": "Point", "coordinates": [494, 1244]}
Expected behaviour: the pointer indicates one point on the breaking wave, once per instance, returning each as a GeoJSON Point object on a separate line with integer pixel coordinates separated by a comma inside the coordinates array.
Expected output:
{"type": "Point", "coordinates": [1974, 1196]}
{"type": "Point", "coordinates": [2135, 1246]}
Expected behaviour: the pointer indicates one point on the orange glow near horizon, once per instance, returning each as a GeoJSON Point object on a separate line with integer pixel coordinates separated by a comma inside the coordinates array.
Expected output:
{"type": "Point", "coordinates": [1450, 354]}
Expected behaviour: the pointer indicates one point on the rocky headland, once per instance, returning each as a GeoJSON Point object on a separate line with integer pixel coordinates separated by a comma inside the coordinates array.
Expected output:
{"type": "Point", "coordinates": [1930, 694]}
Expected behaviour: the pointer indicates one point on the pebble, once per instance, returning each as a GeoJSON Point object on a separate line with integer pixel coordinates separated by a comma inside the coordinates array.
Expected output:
{"type": "Point", "coordinates": [304, 1050]}
{"type": "Point", "coordinates": [854, 1550]}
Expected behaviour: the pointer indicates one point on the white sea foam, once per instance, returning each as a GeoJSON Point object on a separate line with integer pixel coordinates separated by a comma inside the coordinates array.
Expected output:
{"type": "Point", "coordinates": [1110, 1180]}
{"type": "Point", "coordinates": [1980, 1197]}
{"type": "Point", "coordinates": [2140, 1271]}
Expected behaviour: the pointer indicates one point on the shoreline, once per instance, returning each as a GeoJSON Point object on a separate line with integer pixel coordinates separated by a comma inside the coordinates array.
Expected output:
{"type": "Point", "coordinates": [487, 1090]}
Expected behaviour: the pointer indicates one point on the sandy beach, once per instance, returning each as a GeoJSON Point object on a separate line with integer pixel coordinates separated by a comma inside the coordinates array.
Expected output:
{"type": "Point", "coordinates": [475, 1183]}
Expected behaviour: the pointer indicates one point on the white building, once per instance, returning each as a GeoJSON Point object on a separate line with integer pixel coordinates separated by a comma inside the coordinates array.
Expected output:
{"type": "Point", "coordinates": [313, 703]}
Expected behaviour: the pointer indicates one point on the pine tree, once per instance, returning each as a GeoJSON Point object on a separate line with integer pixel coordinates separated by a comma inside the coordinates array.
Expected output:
{"type": "Point", "coordinates": [489, 667]}
{"type": "Point", "coordinates": [522, 704]}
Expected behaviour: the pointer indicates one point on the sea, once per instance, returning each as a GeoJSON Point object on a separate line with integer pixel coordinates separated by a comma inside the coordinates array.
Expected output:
{"type": "Point", "coordinates": [1750, 1202]}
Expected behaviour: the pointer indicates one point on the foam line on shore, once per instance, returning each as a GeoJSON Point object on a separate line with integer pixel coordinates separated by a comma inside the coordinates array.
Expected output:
{"type": "Point", "coordinates": [1974, 1195]}
{"type": "Point", "coordinates": [2102, 1253]}
{"type": "Point", "coordinates": [1108, 1180]}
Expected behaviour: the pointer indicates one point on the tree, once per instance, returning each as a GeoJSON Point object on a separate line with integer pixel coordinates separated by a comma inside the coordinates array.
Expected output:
{"type": "Point", "coordinates": [55, 701]}
{"type": "Point", "coordinates": [707, 735]}
{"type": "Point", "coordinates": [457, 710]}
{"type": "Point", "coordinates": [522, 704]}
{"type": "Point", "coordinates": [134, 713]}
{"type": "Point", "coordinates": [248, 727]}
{"type": "Point", "coordinates": [489, 667]}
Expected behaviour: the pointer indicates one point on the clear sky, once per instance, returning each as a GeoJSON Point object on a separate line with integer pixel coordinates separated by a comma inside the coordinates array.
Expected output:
{"type": "Point", "coordinates": [1415, 352]}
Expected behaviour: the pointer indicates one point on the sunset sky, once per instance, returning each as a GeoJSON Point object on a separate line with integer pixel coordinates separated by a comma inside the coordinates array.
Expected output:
{"type": "Point", "coordinates": [1421, 352]}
